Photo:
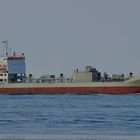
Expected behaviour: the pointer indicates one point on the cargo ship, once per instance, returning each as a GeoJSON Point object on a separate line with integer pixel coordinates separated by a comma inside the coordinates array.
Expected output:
{"type": "Point", "coordinates": [14, 80]}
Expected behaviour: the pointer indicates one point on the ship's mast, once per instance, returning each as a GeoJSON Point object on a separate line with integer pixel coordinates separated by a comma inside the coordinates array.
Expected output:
{"type": "Point", "coordinates": [6, 47]}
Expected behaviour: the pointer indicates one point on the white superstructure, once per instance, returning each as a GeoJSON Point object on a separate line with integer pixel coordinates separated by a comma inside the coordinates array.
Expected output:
{"type": "Point", "coordinates": [12, 67]}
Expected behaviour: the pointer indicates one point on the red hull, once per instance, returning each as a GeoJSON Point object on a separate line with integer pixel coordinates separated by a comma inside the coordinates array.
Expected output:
{"type": "Point", "coordinates": [71, 90]}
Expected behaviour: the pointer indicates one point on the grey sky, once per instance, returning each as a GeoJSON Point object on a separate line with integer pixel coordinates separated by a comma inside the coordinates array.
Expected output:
{"type": "Point", "coordinates": [61, 35]}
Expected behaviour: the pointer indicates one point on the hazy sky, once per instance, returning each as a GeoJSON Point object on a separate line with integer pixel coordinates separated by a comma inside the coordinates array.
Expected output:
{"type": "Point", "coordinates": [61, 35]}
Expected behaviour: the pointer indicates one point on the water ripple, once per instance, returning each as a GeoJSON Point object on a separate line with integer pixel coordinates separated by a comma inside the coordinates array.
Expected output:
{"type": "Point", "coordinates": [70, 114]}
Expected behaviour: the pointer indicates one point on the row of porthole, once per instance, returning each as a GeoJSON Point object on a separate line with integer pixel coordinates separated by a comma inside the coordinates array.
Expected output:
{"type": "Point", "coordinates": [3, 74]}
{"type": "Point", "coordinates": [3, 80]}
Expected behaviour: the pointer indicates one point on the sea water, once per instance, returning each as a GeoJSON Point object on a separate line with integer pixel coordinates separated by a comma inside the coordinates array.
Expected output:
{"type": "Point", "coordinates": [70, 114]}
